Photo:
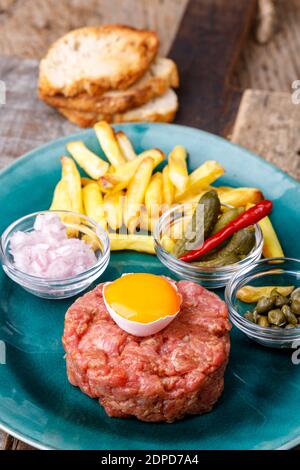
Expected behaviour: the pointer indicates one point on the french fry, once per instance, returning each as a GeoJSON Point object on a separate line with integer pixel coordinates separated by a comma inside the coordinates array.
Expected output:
{"type": "Point", "coordinates": [109, 143]}
{"type": "Point", "coordinates": [200, 178]}
{"type": "Point", "coordinates": [272, 247]}
{"type": "Point", "coordinates": [61, 199]}
{"type": "Point", "coordinates": [193, 198]}
{"type": "Point", "coordinates": [251, 294]}
{"type": "Point", "coordinates": [113, 206]}
{"type": "Point", "coordinates": [146, 222]}
{"type": "Point", "coordinates": [240, 197]}
{"type": "Point", "coordinates": [61, 202]}
{"type": "Point", "coordinates": [178, 172]}
{"type": "Point", "coordinates": [126, 146]}
{"type": "Point", "coordinates": [93, 203]}
{"type": "Point", "coordinates": [168, 187]}
{"type": "Point", "coordinates": [154, 195]}
{"type": "Point", "coordinates": [85, 181]}
{"type": "Point", "coordinates": [120, 179]}
{"type": "Point", "coordinates": [136, 193]}
{"type": "Point", "coordinates": [72, 177]}
{"type": "Point", "coordinates": [142, 243]}
{"type": "Point", "coordinates": [224, 188]}
{"type": "Point", "coordinates": [93, 165]}
{"type": "Point", "coordinates": [167, 243]}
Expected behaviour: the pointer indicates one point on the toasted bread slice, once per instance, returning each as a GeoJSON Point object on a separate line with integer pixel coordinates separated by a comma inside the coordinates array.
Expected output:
{"type": "Point", "coordinates": [161, 109]}
{"type": "Point", "coordinates": [162, 75]}
{"type": "Point", "coordinates": [97, 59]}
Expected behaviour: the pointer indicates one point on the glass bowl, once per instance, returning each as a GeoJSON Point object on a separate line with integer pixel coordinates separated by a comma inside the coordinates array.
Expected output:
{"type": "Point", "coordinates": [57, 288]}
{"type": "Point", "coordinates": [210, 277]}
{"type": "Point", "coordinates": [267, 272]}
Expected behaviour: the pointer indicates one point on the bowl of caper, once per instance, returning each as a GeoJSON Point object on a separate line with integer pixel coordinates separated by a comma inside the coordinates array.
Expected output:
{"type": "Point", "coordinates": [264, 302]}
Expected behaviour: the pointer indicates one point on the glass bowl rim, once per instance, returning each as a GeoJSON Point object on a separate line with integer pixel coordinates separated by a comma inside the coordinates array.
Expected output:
{"type": "Point", "coordinates": [245, 325]}
{"type": "Point", "coordinates": [203, 270]}
{"type": "Point", "coordinates": [99, 231]}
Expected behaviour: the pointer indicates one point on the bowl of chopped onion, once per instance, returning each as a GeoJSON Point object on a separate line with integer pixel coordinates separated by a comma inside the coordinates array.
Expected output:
{"type": "Point", "coordinates": [54, 254]}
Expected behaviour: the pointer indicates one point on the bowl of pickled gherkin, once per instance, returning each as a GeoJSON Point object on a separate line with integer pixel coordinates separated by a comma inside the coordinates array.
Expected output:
{"type": "Point", "coordinates": [186, 227]}
{"type": "Point", "coordinates": [264, 302]}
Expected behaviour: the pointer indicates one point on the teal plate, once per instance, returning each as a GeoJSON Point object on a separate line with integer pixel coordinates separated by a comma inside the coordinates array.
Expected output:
{"type": "Point", "coordinates": [259, 408]}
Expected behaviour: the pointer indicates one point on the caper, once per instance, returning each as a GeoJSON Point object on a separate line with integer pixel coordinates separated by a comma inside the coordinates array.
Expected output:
{"type": "Point", "coordinates": [289, 316]}
{"type": "Point", "coordinates": [264, 304]}
{"type": "Point", "coordinates": [289, 326]}
{"type": "Point", "coordinates": [249, 316]}
{"type": "Point", "coordinates": [263, 321]}
{"type": "Point", "coordinates": [286, 310]}
{"type": "Point", "coordinates": [280, 300]}
{"type": "Point", "coordinates": [295, 306]}
{"type": "Point", "coordinates": [276, 317]}
{"type": "Point", "coordinates": [255, 316]}
{"type": "Point", "coordinates": [295, 294]}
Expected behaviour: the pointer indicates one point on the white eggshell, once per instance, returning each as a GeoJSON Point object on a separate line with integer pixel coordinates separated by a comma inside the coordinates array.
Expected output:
{"type": "Point", "coordinates": [137, 328]}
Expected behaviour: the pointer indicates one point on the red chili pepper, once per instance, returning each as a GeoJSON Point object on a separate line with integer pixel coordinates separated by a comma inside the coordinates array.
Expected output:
{"type": "Point", "coordinates": [249, 217]}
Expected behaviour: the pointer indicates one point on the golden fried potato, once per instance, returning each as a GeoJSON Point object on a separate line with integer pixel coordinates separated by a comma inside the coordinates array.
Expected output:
{"type": "Point", "coordinates": [126, 146]}
{"type": "Point", "coordinates": [251, 294]}
{"type": "Point", "coordinates": [240, 197]}
{"type": "Point", "coordinates": [61, 198]}
{"type": "Point", "coordinates": [200, 178]}
{"type": "Point", "coordinates": [109, 143]}
{"type": "Point", "coordinates": [93, 203]}
{"type": "Point", "coordinates": [146, 222]}
{"type": "Point", "coordinates": [168, 187]}
{"type": "Point", "coordinates": [178, 172]}
{"type": "Point", "coordinates": [194, 198]}
{"type": "Point", "coordinates": [120, 179]}
{"type": "Point", "coordinates": [113, 205]}
{"type": "Point", "coordinates": [154, 195]}
{"type": "Point", "coordinates": [85, 181]}
{"type": "Point", "coordinates": [272, 247]}
{"type": "Point", "coordinates": [142, 243]}
{"type": "Point", "coordinates": [136, 193]}
{"type": "Point", "coordinates": [93, 165]}
{"type": "Point", "coordinates": [72, 177]}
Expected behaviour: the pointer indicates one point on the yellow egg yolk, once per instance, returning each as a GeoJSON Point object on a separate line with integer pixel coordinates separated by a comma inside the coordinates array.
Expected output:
{"type": "Point", "coordinates": [142, 297]}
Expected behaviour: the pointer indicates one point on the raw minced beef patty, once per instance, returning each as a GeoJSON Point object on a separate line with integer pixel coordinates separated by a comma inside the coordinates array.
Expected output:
{"type": "Point", "coordinates": [162, 377]}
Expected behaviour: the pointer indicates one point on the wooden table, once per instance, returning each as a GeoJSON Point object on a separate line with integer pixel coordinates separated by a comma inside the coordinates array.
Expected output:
{"type": "Point", "coordinates": [264, 121]}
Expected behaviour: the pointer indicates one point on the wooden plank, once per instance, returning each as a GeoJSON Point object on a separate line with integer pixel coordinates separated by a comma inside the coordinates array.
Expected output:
{"type": "Point", "coordinates": [269, 125]}
{"type": "Point", "coordinates": [206, 49]}
{"type": "Point", "coordinates": [28, 27]}
{"type": "Point", "coordinates": [25, 122]}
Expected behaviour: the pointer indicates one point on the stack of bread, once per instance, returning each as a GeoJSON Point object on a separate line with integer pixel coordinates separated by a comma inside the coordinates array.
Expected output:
{"type": "Point", "coordinates": [111, 73]}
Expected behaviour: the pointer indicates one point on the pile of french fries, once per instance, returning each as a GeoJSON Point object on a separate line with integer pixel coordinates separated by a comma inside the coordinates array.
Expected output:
{"type": "Point", "coordinates": [125, 194]}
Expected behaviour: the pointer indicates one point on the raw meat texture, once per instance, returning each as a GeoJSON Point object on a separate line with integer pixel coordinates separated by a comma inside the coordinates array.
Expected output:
{"type": "Point", "coordinates": [162, 377]}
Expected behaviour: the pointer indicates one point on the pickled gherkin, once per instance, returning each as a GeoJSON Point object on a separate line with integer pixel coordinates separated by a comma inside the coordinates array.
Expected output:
{"type": "Point", "coordinates": [211, 211]}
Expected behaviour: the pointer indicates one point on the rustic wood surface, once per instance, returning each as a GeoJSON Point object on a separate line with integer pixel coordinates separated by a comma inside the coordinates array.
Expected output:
{"type": "Point", "coordinates": [275, 65]}
{"type": "Point", "coordinates": [268, 123]}
{"type": "Point", "coordinates": [27, 27]}
{"type": "Point", "coordinates": [206, 49]}
{"type": "Point", "coordinates": [25, 122]}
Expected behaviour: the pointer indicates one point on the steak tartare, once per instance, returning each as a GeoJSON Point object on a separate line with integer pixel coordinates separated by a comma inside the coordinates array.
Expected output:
{"type": "Point", "coordinates": [163, 377]}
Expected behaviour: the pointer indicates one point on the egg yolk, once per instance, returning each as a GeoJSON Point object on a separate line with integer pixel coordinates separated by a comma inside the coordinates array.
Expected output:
{"type": "Point", "coordinates": [142, 297]}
